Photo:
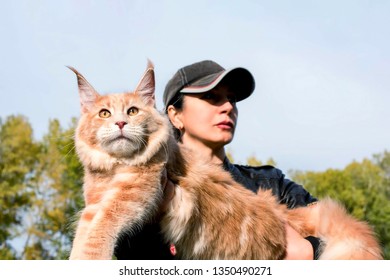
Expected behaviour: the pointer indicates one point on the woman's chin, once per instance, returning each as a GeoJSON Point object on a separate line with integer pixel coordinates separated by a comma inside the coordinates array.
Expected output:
{"type": "Point", "coordinates": [226, 139]}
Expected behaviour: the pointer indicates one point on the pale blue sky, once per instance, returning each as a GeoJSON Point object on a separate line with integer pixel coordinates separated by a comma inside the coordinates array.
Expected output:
{"type": "Point", "coordinates": [321, 67]}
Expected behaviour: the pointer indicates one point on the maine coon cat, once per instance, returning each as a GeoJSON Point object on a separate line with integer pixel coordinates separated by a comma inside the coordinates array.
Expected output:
{"type": "Point", "coordinates": [121, 142]}
{"type": "Point", "coordinates": [125, 144]}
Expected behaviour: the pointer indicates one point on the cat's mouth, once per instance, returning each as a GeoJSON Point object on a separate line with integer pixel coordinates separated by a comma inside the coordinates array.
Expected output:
{"type": "Point", "coordinates": [117, 139]}
{"type": "Point", "coordinates": [121, 137]}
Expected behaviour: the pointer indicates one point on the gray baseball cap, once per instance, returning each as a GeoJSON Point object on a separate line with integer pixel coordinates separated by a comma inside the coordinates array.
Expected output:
{"type": "Point", "coordinates": [204, 76]}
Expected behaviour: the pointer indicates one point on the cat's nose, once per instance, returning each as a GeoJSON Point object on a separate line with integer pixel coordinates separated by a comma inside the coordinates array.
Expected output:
{"type": "Point", "coordinates": [121, 124]}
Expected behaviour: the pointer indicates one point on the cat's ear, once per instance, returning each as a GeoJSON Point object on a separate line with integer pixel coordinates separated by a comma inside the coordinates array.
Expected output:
{"type": "Point", "coordinates": [87, 93]}
{"type": "Point", "coordinates": [146, 86]}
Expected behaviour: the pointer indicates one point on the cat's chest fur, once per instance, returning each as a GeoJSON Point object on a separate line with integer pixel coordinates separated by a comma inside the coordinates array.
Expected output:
{"type": "Point", "coordinates": [105, 185]}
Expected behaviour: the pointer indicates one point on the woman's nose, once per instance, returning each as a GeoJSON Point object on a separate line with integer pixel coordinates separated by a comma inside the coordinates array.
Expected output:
{"type": "Point", "coordinates": [227, 104]}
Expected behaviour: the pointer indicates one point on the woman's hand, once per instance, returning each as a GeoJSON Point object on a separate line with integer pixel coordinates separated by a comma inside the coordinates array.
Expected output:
{"type": "Point", "coordinates": [298, 248]}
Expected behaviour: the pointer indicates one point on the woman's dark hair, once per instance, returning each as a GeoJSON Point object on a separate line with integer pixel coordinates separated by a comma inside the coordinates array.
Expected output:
{"type": "Point", "coordinates": [177, 102]}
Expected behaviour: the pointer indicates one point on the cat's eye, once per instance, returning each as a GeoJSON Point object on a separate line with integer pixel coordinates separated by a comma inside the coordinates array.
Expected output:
{"type": "Point", "coordinates": [104, 114]}
{"type": "Point", "coordinates": [132, 111]}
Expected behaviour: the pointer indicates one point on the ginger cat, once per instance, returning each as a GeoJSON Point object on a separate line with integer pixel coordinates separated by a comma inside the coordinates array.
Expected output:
{"type": "Point", "coordinates": [121, 142]}
{"type": "Point", "coordinates": [125, 144]}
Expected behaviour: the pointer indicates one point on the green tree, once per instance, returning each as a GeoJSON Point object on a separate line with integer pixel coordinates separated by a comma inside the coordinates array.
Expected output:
{"type": "Point", "coordinates": [381, 213]}
{"type": "Point", "coordinates": [253, 161]}
{"type": "Point", "coordinates": [18, 161]}
{"type": "Point", "coordinates": [383, 161]}
{"type": "Point", "coordinates": [57, 196]}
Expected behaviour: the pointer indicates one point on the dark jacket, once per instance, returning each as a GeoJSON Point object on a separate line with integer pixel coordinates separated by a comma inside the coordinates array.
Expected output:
{"type": "Point", "coordinates": [148, 244]}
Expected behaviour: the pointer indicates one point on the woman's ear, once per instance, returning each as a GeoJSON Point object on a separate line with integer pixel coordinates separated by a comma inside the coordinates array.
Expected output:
{"type": "Point", "coordinates": [175, 117]}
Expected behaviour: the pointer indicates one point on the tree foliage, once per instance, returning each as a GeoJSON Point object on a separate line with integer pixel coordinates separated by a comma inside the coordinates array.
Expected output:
{"type": "Point", "coordinates": [18, 160]}
{"type": "Point", "coordinates": [254, 161]}
{"type": "Point", "coordinates": [41, 190]}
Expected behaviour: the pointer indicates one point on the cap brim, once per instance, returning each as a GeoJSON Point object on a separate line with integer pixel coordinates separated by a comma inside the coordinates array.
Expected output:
{"type": "Point", "coordinates": [239, 79]}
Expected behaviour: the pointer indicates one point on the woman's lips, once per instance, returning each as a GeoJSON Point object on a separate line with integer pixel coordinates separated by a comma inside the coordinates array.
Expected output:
{"type": "Point", "coordinates": [225, 125]}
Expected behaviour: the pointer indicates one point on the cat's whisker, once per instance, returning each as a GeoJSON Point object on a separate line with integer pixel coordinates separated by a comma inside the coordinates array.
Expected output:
{"type": "Point", "coordinates": [67, 145]}
{"type": "Point", "coordinates": [61, 137]}
{"type": "Point", "coordinates": [143, 141]}
{"type": "Point", "coordinates": [70, 151]}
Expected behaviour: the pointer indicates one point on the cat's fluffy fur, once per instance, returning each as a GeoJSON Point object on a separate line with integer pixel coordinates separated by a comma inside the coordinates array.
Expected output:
{"type": "Point", "coordinates": [210, 216]}
{"type": "Point", "coordinates": [122, 166]}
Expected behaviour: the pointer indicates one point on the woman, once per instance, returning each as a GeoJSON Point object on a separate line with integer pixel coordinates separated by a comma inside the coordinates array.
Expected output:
{"type": "Point", "coordinates": [200, 101]}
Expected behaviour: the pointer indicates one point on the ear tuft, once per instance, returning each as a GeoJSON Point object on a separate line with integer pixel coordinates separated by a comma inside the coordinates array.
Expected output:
{"type": "Point", "coordinates": [87, 93]}
{"type": "Point", "coordinates": [146, 86]}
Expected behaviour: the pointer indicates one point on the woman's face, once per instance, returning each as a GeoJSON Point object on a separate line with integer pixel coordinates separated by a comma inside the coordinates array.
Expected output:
{"type": "Point", "coordinates": [209, 117]}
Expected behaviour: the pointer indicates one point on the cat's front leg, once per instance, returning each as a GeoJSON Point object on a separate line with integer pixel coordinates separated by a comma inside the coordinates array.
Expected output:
{"type": "Point", "coordinates": [77, 246]}
{"type": "Point", "coordinates": [97, 233]}
{"type": "Point", "coordinates": [99, 230]}
{"type": "Point", "coordinates": [92, 238]}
